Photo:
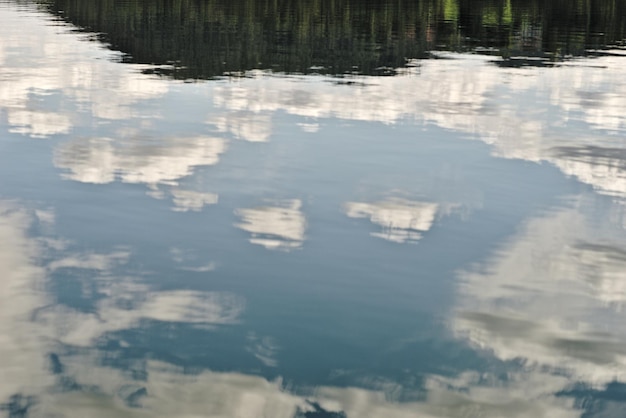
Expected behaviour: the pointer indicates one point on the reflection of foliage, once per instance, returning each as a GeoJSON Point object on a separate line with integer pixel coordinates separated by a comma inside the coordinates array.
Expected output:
{"type": "Point", "coordinates": [212, 37]}
{"type": "Point", "coordinates": [318, 412]}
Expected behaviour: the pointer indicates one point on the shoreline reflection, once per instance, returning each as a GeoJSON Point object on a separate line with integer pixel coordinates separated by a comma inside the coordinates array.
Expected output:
{"type": "Point", "coordinates": [341, 37]}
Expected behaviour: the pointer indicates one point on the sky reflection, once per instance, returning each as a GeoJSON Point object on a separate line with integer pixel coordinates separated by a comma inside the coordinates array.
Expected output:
{"type": "Point", "coordinates": [155, 186]}
{"type": "Point", "coordinates": [401, 220]}
{"type": "Point", "coordinates": [553, 297]}
{"type": "Point", "coordinates": [102, 160]}
{"type": "Point", "coordinates": [57, 361]}
{"type": "Point", "coordinates": [525, 113]}
{"type": "Point", "coordinates": [279, 227]}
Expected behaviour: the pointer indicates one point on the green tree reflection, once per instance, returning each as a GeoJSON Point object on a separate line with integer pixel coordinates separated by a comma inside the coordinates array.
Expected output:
{"type": "Point", "coordinates": [208, 38]}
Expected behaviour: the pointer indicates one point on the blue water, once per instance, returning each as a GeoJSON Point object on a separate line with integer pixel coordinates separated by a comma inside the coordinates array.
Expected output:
{"type": "Point", "coordinates": [447, 241]}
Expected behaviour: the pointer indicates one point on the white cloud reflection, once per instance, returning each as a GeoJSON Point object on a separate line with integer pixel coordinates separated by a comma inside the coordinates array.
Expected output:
{"type": "Point", "coordinates": [468, 395]}
{"type": "Point", "coordinates": [264, 349]}
{"type": "Point", "coordinates": [166, 390]}
{"type": "Point", "coordinates": [22, 342]}
{"type": "Point", "coordinates": [48, 59]}
{"type": "Point", "coordinates": [100, 262]}
{"type": "Point", "coordinates": [249, 126]}
{"type": "Point", "coordinates": [554, 297]}
{"type": "Point", "coordinates": [170, 391]}
{"type": "Point", "coordinates": [402, 220]}
{"type": "Point", "coordinates": [102, 160]}
{"type": "Point", "coordinates": [520, 112]}
{"type": "Point", "coordinates": [26, 340]}
{"type": "Point", "coordinates": [190, 262]}
{"type": "Point", "coordinates": [189, 200]}
{"type": "Point", "coordinates": [509, 308]}
{"type": "Point", "coordinates": [53, 82]}
{"type": "Point", "coordinates": [127, 304]}
{"type": "Point", "coordinates": [38, 124]}
{"type": "Point", "coordinates": [280, 227]}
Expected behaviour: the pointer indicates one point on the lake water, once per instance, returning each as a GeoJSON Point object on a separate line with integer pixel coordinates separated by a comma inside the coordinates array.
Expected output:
{"type": "Point", "coordinates": [312, 209]}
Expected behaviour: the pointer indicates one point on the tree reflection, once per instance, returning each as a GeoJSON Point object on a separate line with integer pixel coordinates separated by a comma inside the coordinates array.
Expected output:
{"type": "Point", "coordinates": [204, 39]}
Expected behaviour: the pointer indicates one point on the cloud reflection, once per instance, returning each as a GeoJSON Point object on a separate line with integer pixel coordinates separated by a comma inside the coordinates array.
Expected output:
{"type": "Point", "coordinates": [32, 326]}
{"type": "Point", "coordinates": [554, 297]}
{"type": "Point", "coordinates": [264, 349]}
{"type": "Point", "coordinates": [101, 262]}
{"type": "Point", "coordinates": [169, 391]}
{"type": "Point", "coordinates": [47, 60]}
{"type": "Point", "coordinates": [102, 160]}
{"type": "Point", "coordinates": [38, 124]}
{"type": "Point", "coordinates": [80, 383]}
{"type": "Point", "coordinates": [509, 308]}
{"type": "Point", "coordinates": [190, 262]}
{"type": "Point", "coordinates": [53, 82]}
{"type": "Point", "coordinates": [402, 220]}
{"type": "Point", "coordinates": [127, 302]}
{"type": "Point", "coordinates": [22, 342]}
{"type": "Point", "coordinates": [524, 113]}
{"type": "Point", "coordinates": [188, 200]}
{"type": "Point", "coordinates": [527, 113]}
{"type": "Point", "coordinates": [468, 395]}
{"type": "Point", "coordinates": [249, 126]}
{"type": "Point", "coordinates": [278, 227]}
{"type": "Point", "coordinates": [604, 167]}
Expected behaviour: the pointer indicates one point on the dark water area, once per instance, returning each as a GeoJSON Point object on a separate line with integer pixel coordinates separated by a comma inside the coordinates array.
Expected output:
{"type": "Point", "coordinates": [312, 209]}
{"type": "Point", "coordinates": [205, 39]}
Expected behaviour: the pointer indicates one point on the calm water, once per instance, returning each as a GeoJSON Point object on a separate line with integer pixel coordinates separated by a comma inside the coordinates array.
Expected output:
{"type": "Point", "coordinates": [312, 209]}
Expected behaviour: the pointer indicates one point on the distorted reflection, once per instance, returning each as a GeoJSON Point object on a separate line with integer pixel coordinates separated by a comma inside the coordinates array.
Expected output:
{"type": "Point", "coordinates": [305, 38]}
{"type": "Point", "coordinates": [52, 61]}
{"type": "Point", "coordinates": [469, 394]}
{"type": "Point", "coordinates": [383, 100]}
{"type": "Point", "coordinates": [402, 220]}
{"type": "Point", "coordinates": [126, 305]}
{"type": "Point", "coordinates": [191, 262]}
{"type": "Point", "coordinates": [554, 298]}
{"type": "Point", "coordinates": [34, 326]}
{"type": "Point", "coordinates": [603, 166]}
{"type": "Point", "coordinates": [264, 349]}
{"type": "Point", "coordinates": [41, 340]}
{"type": "Point", "coordinates": [522, 113]}
{"type": "Point", "coordinates": [149, 161]}
{"type": "Point", "coordinates": [123, 302]}
{"type": "Point", "coordinates": [189, 200]}
{"type": "Point", "coordinates": [309, 127]}
{"type": "Point", "coordinates": [22, 342]}
{"type": "Point", "coordinates": [38, 124]}
{"type": "Point", "coordinates": [101, 262]}
{"type": "Point", "coordinates": [532, 113]}
{"type": "Point", "coordinates": [58, 83]}
{"type": "Point", "coordinates": [249, 126]}
{"type": "Point", "coordinates": [82, 330]}
{"type": "Point", "coordinates": [278, 227]}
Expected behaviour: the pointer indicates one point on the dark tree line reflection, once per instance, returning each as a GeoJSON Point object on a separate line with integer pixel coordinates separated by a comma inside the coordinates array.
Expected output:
{"type": "Point", "coordinates": [207, 38]}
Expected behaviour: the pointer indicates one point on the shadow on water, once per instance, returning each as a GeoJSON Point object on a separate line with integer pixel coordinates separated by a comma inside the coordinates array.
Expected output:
{"type": "Point", "coordinates": [188, 39]}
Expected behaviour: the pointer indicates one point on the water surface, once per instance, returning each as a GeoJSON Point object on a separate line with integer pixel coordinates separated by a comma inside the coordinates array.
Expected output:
{"type": "Point", "coordinates": [312, 209]}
